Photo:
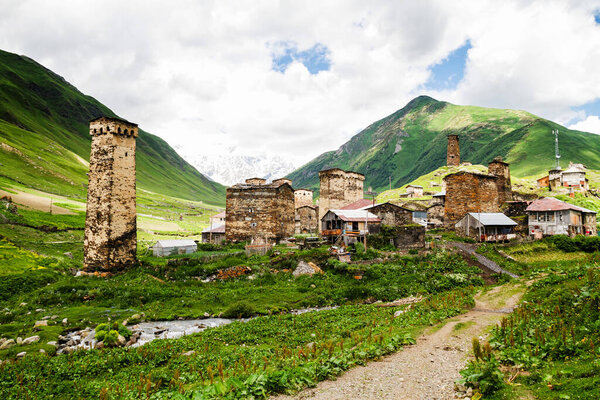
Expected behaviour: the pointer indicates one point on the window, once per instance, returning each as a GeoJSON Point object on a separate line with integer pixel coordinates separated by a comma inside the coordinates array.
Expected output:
{"type": "Point", "coordinates": [253, 225]}
{"type": "Point", "coordinates": [126, 131]}
{"type": "Point", "coordinates": [119, 130]}
{"type": "Point", "coordinates": [251, 210]}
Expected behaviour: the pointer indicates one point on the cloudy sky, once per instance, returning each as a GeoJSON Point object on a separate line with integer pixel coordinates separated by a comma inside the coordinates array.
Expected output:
{"type": "Point", "coordinates": [297, 78]}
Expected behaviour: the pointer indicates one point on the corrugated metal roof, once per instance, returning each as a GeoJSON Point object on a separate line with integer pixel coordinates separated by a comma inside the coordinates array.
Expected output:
{"type": "Point", "coordinates": [552, 204]}
{"type": "Point", "coordinates": [488, 219]}
{"type": "Point", "coordinates": [439, 194]}
{"type": "Point", "coordinates": [215, 229]}
{"type": "Point", "coordinates": [356, 215]}
{"type": "Point", "coordinates": [175, 243]}
{"type": "Point", "coordinates": [358, 204]}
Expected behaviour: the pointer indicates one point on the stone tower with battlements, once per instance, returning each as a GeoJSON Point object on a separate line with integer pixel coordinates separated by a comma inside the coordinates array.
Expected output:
{"type": "Point", "coordinates": [453, 152]}
{"type": "Point", "coordinates": [110, 242]}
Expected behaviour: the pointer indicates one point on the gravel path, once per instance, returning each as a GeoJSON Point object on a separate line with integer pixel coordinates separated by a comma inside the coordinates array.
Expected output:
{"type": "Point", "coordinates": [472, 250]}
{"type": "Point", "coordinates": [426, 370]}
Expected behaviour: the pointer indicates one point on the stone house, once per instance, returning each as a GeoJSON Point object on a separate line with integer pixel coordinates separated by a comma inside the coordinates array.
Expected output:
{"type": "Point", "coordinates": [573, 178]}
{"type": "Point", "coordinates": [476, 192]}
{"type": "Point", "coordinates": [414, 191]}
{"type": "Point", "coordinates": [338, 188]}
{"type": "Point", "coordinates": [256, 209]}
{"type": "Point", "coordinates": [164, 248]}
{"type": "Point", "coordinates": [391, 214]}
{"type": "Point", "coordinates": [307, 220]}
{"type": "Point", "coordinates": [349, 225]}
{"type": "Point", "coordinates": [487, 227]}
{"type": "Point", "coordinates": [435, 215]}
{"type": "Point", "coordinates": [550, 216]}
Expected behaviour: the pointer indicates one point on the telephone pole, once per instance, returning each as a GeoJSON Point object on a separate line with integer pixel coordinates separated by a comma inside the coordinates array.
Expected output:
{"type": "Point", "coordinates": [556, 153]}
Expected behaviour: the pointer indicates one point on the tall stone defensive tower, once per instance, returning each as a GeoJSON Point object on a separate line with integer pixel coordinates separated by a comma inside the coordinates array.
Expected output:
{"type": "Point", "coordinates": [453, 152]}
{"type": "Point", "coordinates": [110, 242]}
{"type": "Point", "coordinates": [338, 188]}
{"type": "Point", "coordinates": [501, 169]}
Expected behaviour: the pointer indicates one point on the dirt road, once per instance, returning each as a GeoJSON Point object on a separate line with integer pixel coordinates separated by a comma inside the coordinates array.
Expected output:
{"type": "Point", "coordinates": [428, 369]}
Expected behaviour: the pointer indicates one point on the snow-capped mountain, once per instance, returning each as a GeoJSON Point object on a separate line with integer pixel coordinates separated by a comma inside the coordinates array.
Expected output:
{"type": "Point", "coordinates": [234, 168]}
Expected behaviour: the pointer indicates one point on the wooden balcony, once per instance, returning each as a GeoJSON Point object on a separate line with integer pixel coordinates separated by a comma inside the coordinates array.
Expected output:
{"type": "Point", "coordinates": [331, 232]}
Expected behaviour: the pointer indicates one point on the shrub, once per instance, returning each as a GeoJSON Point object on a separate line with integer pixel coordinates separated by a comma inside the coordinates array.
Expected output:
{"type": "Point", "coordinates": [111, 338]}
{"type": "Point", "coordinates": [241, 309]}
{"type": "Point", "coordinates": [564, 243]}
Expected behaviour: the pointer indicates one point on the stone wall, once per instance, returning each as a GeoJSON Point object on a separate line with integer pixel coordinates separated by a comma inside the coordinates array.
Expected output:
{"type": "Point", "coordinates": [262, 211]}
{"type": "Point", "coordinates": [303, 197]}
{"type": "Point", "coordinates": [435, 215]}
{"type": "Point", "coordinates": [391, 214]}
{"type": "Point", "coordinates": [453, 152]}
{"type": "Point", "coordinates": [110, 226]}
{"type": "Point", "coordinates": [501, 170]}
{"type": "Point", "coordinates": [307, 220]}
{"type": "Point", "coordinates": [410, 237]}
{"type": "Point", "coordinates": [339, 188]}
{"type": "Point", "coordinates": [469, 192]}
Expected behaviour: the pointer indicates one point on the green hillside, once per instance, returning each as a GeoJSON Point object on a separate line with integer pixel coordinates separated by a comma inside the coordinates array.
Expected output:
{"type": "Point", "coordinates": [45, 144]}
{"type": "Point", "coordinates": [412, 142]}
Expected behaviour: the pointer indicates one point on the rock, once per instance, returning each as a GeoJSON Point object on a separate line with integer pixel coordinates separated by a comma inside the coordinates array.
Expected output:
{"type": "Point", "coordinates": [100, 345]}
{"type": "Point", "coordinates": [68, 349]}
{"type": "Point", "coordinates": [52, 343]}
{"type": "Point", "coordinates": [31, 340]}
{"type": "Point", "coordinates": [42, 351]}
{"type": "Point", "coordinates": [40, 323]}
{"type": "Point", "coordinates": [305, 268]}
{"type": "Point", "coordinates": [2, 340]}
{"type": "Point", "coordinates": [39, 310]}
{"type": "Point", "coordinates": [206, 315]}
{"type": "Point", "coordinates": [19, 341]}
{"type": "Point", "coordinates": [22, 304]}
{"type": "Point", "coordinates": [68, 254]}
{"type": "Point", "coordinates": [189, 353]}
{"type": "Point", "coordinates": [469, 392]}
{"type": "Point", "coordinates": [7, 344]}
{"type": "Point", "coordinates": [46, 317]}
{"type": "Point", "coordinates": [54, 317]}
{"type": "Point", "coordinates": [310, 345]}
{"type": "Point", "coordinates": [65, 321]}
{"type": "Point", "coordinates": [399, 313]}
{"type": "Point", "coordinates": [121, 340]}
{"type": "Point", "coordinates": [21, 354]}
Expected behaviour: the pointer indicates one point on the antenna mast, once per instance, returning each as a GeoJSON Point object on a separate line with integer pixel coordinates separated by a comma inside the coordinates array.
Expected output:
{"type": "Point", "coordinates": [556, 153]}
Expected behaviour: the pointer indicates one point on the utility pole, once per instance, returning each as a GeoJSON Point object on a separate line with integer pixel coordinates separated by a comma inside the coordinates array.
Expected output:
{"type": "Point", "coordinates": [556, 153]}
{"type": "Point", "coordinates": [390, 182]}
{"type": "Point", "coordinates": [369, 192]}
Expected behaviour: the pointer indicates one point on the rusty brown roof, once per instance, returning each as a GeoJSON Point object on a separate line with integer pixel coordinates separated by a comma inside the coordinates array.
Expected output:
{"type": "Point", "coordinates": [552, 204]}
{"type": "Point", "coordinates": [358, 204]}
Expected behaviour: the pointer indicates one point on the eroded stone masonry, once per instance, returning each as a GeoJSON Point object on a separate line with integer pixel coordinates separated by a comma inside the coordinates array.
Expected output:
{"type": "Point", "coordinates": [258, 211]}
{"type": "Point", "coordinates": [110, 225]}
{"type": "Point", "coordinates": [338, 188]}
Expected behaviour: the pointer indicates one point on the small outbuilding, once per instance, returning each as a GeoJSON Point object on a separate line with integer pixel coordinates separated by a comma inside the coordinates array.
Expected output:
{"type": "Point", "coordinates": [164, 248]}
{"type": "Point", "coordinates": [487, 227]}
{"type": "Point", "coordinates": [216, 235]}
{"type": "Point", "coordinates": [351, 225]}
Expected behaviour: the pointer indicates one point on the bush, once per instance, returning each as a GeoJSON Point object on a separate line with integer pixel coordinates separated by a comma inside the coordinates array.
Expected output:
{"type": "Point", "coordinates": [564, 243]}
{"type": "Point", "coordinates": [111, 338]}
{"type": "Point", "coordinates": [241, 309]}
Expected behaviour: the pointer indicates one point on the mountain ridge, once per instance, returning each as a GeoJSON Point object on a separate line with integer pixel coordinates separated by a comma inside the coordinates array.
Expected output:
{"type": "Point", "coordinates": [44, 117]}
{"type": "Point", "coordinates": [412, 142]}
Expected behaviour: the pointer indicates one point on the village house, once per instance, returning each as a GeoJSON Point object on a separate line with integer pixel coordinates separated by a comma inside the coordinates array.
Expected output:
{"type": "Point", "coordinates": [338, 188]}
{"type": "Point", "coordinates": [487, 227]}
{"type": "Point", "coordinates": [550, 216]}
{"type": "Point", "coordinates": [414, 191]}
{"type": "Point", "coordinates": [391, 214]}
{"type": "Point", "coordinates": [573, 178]}
{"type": "Point", "coordinates": [164, 248]}
{"type": "Point", "coordinates": [349, 225]}
{"type": "Point", "coordinates": [259, 210]}
{"type": "Point", "coordinates": [218, 219]}
{"type": "Point", "coordinates": [215, 235]}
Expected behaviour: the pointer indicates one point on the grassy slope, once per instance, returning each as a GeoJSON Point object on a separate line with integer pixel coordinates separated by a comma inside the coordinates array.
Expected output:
{"type": "Point", "coordinates": [46, 119]}
{"type": "Point", "coordinates": [412, 142]}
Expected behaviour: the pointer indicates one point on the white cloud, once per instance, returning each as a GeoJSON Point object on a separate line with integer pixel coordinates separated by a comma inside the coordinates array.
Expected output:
{"type": "Point", "coordinates": [590, 124]}
{"type": "Point", "coordinates": [199, 73]}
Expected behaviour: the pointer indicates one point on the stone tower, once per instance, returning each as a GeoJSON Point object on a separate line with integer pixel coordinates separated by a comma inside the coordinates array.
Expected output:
{"type": "Point", "coordinates": [453, 152]}
{"type": "Point", "coordinates": [501, 170]}
{"type": "Point", "coordinates": [110, 242]}
{"type": "Point", "coordinates": [338, 189]}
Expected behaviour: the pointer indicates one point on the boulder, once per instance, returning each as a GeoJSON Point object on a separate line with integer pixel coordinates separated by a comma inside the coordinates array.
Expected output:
{"type": "Point", "coordinates": [100, 345]}
{"type": "Point", "coordinates": [307, 268]}
{"type": "Point", "coordinates": [65, 321]}
{"type": "Point", "coordinates": [19, 341]}
{"type": "Point", "coordinates": [31, 340]}
{"type": "Point", "coordinates": [121, 340]}
{"type": "Point", "coordinates": [22, 304]}
{"type": "Point", "coordinates": [40, 323]}
{"type": "Point", "coordinates": [21, 354]}
{"type": "Point", "coordinates": [399, 313]}
{"type": "Point", "coordinates": [52, 343]}
{"type": "Point", "coordinates": [42, 351]}
{"type": "Point", "coordinates": [189, 353]}
{"type": "Point", "coordinates": [68, 254]}
{"type": "Point", "coordinates": [7, 344]}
